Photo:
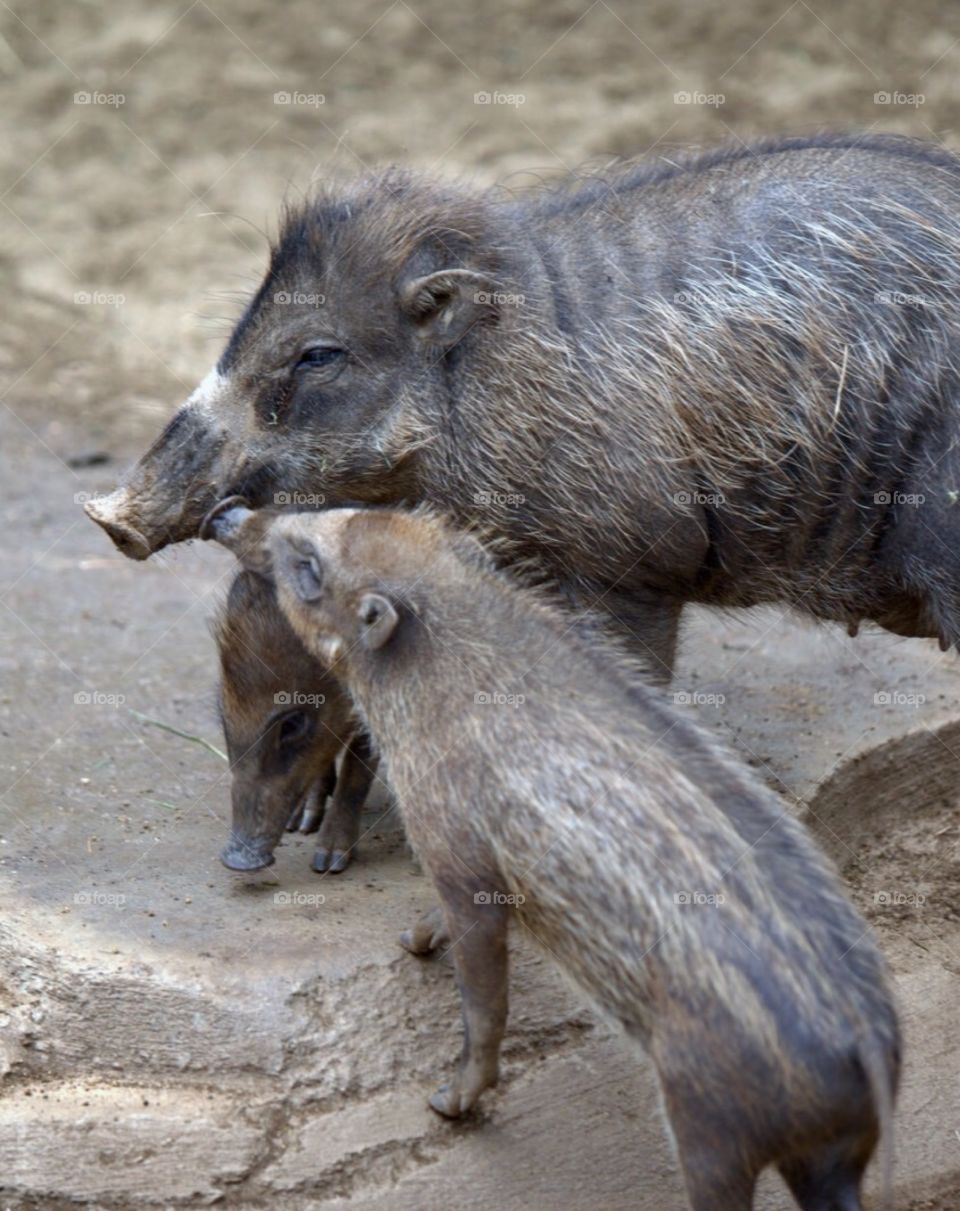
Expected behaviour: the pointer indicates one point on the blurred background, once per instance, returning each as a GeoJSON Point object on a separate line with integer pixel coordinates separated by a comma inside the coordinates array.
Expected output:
{"type": "Point", "coordinates": [148, 145]}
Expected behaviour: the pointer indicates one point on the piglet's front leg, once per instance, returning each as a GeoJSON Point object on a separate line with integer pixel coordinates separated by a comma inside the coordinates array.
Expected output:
{"type": "Point", "coordinates": [477, 929]}
{"type": "Point", "coordinates": [340, 830]}
{"type": "Point", "coordinates": [307, 814]}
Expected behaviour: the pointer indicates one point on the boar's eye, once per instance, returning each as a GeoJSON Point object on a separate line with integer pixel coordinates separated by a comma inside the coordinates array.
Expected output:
{"type": "Point", "coordinates": [321, 357]}
{"type": "Point", "coordinates": [293, 726]}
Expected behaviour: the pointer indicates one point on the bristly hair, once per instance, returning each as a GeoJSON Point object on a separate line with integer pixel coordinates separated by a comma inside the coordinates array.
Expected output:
{"type": "Point", "coordinates": [395, 210]}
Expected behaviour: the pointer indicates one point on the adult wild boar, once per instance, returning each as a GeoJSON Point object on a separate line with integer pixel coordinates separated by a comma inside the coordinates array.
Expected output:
{"type": "Point", "coordinates": [731, 378]}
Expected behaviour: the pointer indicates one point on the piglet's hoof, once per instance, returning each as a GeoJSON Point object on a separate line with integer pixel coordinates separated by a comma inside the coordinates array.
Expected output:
{"type": "Point", "coordinates": [305, 818]}
{"type": "Point", "coordinates": [429, 934]}
{"type": "Point", "coordinates": [446, 1101]}
{"type": "Point", "coordinates": [330, 861]}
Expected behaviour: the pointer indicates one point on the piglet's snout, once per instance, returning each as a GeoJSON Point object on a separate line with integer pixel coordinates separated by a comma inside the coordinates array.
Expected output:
{"type": "Point", "coordinates": [240, 854]}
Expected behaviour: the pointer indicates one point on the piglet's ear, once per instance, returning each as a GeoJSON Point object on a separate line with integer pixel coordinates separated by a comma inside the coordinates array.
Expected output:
{"type": "Point", "coordinates": [378, 620]}
{"type": "Point", "coordinates": [444, 306]}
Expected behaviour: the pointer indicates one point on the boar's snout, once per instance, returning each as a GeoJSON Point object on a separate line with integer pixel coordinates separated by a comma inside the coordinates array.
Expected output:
{"type": "Point", "coordinates": [108, 512]}
{"type": "Point", "coordinates": [242, 854]}
{"type": "Point", "coordinates": [164, 498]}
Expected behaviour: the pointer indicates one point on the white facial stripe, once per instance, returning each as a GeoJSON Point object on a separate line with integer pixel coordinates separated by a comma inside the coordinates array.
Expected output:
{"type": "Point", "coordinates": [206, 394]}
{"type": "Point", "coordinates": [330, 649]}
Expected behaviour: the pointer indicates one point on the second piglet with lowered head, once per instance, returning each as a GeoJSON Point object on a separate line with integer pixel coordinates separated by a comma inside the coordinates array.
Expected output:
{"type": "Point", "coordinates": [538, 778]}
{"type": "Point", "coordinates": [286, 720]}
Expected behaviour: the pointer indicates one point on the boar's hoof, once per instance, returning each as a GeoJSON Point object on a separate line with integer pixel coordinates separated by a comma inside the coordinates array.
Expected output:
{"type": "Point", "coordinates": [245, 857]}
{"type": "Point", "coordinates": [330, 861]}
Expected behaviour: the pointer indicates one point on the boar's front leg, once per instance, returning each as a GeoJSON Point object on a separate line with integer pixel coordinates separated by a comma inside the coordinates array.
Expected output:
{"type": "Point", "coordinates": [647, 621]}
{"type": "Point", "coordinates": [340, 829]}
{"type": "Point", "coordinates": [477, 926]}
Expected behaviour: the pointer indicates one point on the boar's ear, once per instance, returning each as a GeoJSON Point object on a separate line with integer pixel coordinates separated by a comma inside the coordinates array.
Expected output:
{"type": "Point", "coordinates": [446, 305]}
{"type": "Point", "coordinates": [378, 620]}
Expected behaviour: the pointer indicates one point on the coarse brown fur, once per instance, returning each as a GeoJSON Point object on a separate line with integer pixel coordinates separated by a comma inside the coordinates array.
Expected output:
{"type": "Point", "coordinates": [539, 779]}
{"type": "Point", "coordinates": [730, 378]}
{"type": "Point", "coordinates": [287, 721]}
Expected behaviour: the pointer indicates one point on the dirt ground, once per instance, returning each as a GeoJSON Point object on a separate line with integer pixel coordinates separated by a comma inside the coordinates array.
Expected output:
{"type": "Point", "coordinates": [174, 1036]}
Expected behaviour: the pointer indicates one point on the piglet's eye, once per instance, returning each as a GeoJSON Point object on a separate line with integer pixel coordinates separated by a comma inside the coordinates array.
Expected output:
{"type": "Point", "coordinates": [320, 357]}
{"type": "Point", "coordinates": [292, 727]}
{"type": "Point", "coordinates": [309, 577]}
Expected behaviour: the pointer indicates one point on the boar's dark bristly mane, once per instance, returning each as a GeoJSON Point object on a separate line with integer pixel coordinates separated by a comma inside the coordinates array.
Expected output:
{"type": "Point", "coordinates": [395, 213]}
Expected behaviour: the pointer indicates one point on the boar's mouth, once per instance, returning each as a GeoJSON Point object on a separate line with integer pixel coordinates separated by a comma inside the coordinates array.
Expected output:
{"type": "Point", "coordinates": [125, 520]}
{"type": "Point", "coordinates": [256, 486]}
{"type": "Point", "coordinates": [141, 519]}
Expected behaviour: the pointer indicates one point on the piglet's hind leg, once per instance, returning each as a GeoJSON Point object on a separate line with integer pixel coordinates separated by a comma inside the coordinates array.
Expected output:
{"type": "Point", "coordinates": [478, 933]}
{"type": "Point", "coordinates": [428, 935]}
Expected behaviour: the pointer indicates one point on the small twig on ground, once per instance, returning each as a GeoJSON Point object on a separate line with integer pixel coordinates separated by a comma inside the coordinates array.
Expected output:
{"type": "Point", "coordinates": [168, 727]}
